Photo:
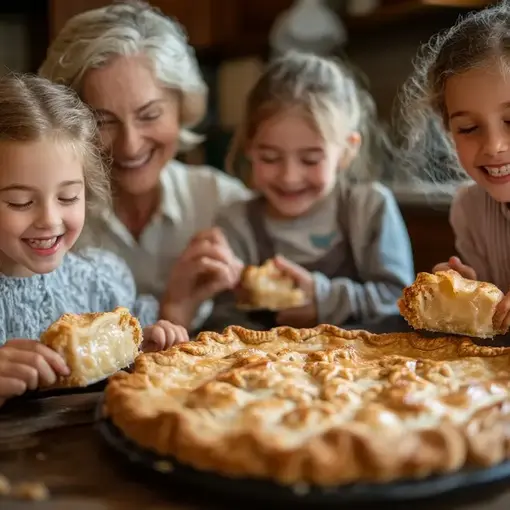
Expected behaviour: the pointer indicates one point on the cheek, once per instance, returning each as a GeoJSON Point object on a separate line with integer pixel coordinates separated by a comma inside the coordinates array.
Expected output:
{"type": "Point", "coordinates": [263, 174]}
{"type": "Point", "coordinates": [322, 176]}
{"type": "Point", "coordinates": [75, 217]}
{"type": "Point", "coordinates": [14, 223]}
{"type": "Point", "coordinates": [466, 151]}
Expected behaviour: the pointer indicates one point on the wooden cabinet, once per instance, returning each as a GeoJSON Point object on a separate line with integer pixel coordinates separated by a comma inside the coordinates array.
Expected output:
{"type": "Point", "coordinates": [431, 235]}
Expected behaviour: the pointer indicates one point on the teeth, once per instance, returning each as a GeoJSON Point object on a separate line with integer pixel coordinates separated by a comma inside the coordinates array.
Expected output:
{"type": "Point", "coordinates": [498, 171]}
{"type": "Point", "coordinates": [135, 163]}
{"type": "Point", "coordinates": [42, 244]}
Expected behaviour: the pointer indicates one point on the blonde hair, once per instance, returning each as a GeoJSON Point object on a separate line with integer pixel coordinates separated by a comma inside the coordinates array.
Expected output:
{"type": "Point", "coordinates": [33, 108]}
{"type": "Point", "coordinates": [91, 39]}
{"type": "Point", "coordinates": [427, 152]}
{"type": "Point", "coordinates": [330, 94]}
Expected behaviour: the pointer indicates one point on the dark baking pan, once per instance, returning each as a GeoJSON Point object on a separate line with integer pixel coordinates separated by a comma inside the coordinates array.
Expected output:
{"type": "Point", "coordinates": [247, 489]}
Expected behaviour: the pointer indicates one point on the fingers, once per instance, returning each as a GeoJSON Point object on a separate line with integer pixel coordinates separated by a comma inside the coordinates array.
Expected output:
{"type": "Point", "coordinates": [163, 335]}
{"type": "Point", "coordinates": [11, 354]}
{"type": "Point", "coordinates": [24, 373]}
{"type": "Point", "coordinates": [213, 235]}
{"type": "Point", "coordinates": [465, 271]}
{"type": "Point", "coordinates": [501, 319]}
{"type": "Point", "coordinates": [11, 387]}
{"type": "Point", "coordinates": [456, 264]}
{"type": "Point", "coordinates": [52, 358]}
{"type": "Point", "coordinates": [443, 266]}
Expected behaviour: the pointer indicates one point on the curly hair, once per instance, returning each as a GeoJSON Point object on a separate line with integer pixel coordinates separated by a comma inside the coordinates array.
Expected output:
{"type": "Point", "coordinates": [427, 152]}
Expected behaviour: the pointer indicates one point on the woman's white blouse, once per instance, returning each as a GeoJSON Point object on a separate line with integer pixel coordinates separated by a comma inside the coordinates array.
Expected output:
{"type": "Point", "coordinates": [190, 200]}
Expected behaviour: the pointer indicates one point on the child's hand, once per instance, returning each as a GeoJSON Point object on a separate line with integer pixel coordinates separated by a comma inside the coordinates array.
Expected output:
{"type": "Point", "coordinates": [456, 264]}
{"type": "Point", "coordinates": [26, 365]}
{"type": "Point", "coordinates": [501, 319]}
{"type": "Point", "coordinates": [304, 316]}
{"type": "Point", "coordinates": [163, 335]}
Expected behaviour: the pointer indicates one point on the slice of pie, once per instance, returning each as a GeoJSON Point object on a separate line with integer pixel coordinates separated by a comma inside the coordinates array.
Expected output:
{"type": "Point", "coordinates": [446, 302]}
{"type": "Point", "coordinates": [266, 287]}
{"type": "Point", "coordinates": [94, 345]}
{"type": "Point", "coordinates": [320, 406]}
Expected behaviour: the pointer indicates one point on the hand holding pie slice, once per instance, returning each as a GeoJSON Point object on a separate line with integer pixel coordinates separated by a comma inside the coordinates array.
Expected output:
{"type": "Point", "coordinates": [445, 302]}
{"type": "Point", "coordinates": [267, 287]}
{"type": "Point", "coordinates": [94, 345]}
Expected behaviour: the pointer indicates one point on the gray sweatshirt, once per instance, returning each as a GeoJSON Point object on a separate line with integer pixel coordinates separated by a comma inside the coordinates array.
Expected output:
{"type": "Point", "coordinates": [354, 242]}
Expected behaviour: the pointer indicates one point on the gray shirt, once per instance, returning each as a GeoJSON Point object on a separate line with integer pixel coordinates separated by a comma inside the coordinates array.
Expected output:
{"type": "Point", "coordinates": [96, 281]}
{"type": "Point", "coordinates": [358, 229]}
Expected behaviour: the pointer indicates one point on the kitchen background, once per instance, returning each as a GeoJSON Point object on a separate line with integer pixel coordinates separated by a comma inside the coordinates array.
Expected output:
{"type": "Point", "coordinates": [232, 37]}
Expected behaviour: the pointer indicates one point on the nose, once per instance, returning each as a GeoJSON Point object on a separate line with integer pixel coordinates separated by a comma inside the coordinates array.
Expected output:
{"type": "Point", "coordinates": [496, 141]}
{"type": "Point", "coordinates": [48, 217]}
{"type": "Point", "coordinates": [128, 142]}
{"type": "Point", "coordinates": [290, 173]}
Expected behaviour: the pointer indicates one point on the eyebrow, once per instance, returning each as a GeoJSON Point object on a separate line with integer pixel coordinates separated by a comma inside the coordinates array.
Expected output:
{"type": "Point", "coordinates": [140, 109]}
{"type": "Point", "coordinates": [22, 187]}
{"type": "Point", "coordinates": [463, 113]}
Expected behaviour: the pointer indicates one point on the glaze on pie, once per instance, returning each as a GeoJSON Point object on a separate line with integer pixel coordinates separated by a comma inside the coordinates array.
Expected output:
{"type": "Point", "coordinates": [94, 345]}
{"type": "Point", "coordinates": [266, 287]}
{"type": "Point", "coordinates": [320, 406]}
{"type": "Point", "coordinates": [446, 302]}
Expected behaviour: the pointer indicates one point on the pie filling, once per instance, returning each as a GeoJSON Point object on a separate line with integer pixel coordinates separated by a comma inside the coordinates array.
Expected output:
{"type": "Point", "coordinates": [448, 303]}
{"type": "Point", "coordinates": [94, 346]}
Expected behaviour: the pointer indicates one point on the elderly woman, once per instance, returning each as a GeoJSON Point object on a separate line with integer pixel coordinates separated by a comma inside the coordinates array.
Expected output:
{"type": "Point", "coordinates": [134, 68]}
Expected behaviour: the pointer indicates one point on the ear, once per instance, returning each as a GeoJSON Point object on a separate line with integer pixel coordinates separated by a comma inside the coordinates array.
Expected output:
{"type": "Point", "coordinates": [351, 149]}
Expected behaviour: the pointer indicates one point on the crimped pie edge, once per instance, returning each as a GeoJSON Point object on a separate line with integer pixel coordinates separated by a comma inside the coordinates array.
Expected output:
{"type": "Point", "coordinates": [365, 456]}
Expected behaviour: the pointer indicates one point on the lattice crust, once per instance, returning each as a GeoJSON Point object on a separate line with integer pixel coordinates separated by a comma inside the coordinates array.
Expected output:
{"type": "Point", "coordinates": [446, 302]}
{"type": "Point", "coordinates": [94, 345]}
{"type": "Point", "coordinates": [322, 406]}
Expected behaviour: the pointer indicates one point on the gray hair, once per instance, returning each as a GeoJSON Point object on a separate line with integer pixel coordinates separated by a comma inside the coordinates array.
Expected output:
{"type": "Point", "coordinates": [90, 39]}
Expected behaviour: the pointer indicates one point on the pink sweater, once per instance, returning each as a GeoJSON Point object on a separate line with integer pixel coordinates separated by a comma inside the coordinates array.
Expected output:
{"type": "Point", "coordinates": [482, 234]}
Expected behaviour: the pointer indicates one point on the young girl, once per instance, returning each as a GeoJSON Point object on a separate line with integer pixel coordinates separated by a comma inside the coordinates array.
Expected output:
{"type": "Point", "coordinates": [306, 135]}
{"type": "Point", "coordinates": [52, 177]}
{"type": "Point", "coordinates": [457, 105]}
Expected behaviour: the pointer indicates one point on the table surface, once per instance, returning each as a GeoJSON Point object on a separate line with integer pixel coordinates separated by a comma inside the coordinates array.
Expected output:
{"type": "Point", "coordinates": [53, 440]}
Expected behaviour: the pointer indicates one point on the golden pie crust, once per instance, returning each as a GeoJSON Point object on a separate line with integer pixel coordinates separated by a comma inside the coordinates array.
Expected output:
{"type": "Point", "coordinates": [266, 287]}
{"type": "Point", "coordinates": [320, 406]}
{"type": "Point", "coordinates": [446, 302]}
{"type": "Point", "coordinates": [94, 345]}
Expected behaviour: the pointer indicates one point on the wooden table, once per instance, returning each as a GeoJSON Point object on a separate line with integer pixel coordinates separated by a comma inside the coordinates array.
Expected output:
{"type": "Point", "coordinates": [53, 441]}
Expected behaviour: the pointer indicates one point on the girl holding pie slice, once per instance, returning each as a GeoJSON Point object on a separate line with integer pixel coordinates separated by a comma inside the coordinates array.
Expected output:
{"type": "Point", "coordinates": [456, 115]}
{"type": "Point", "coordinates": [53, 179]}
{"type": "Point", "coordinates": [310, 148]}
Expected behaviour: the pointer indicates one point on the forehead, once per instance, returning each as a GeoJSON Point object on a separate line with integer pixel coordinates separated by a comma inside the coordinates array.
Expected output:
{"type": "Point", "coordinates": [124, 83]}
{"type": "Point", "coordinates": [44, 163]}
{"type": "Point", "coordinates": [482, 89]}
{"type": "Point", "coordinates": [291, 131]}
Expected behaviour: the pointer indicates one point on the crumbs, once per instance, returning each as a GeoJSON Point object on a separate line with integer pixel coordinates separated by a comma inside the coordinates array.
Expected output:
{"type": "Point", "coordinates": [33, 491]}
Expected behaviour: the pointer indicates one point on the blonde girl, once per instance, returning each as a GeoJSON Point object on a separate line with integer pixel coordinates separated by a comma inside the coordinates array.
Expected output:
{"type": "Point", "coordinates": [52, 178]}
{"type": "Point", "coordinates": [456, 120]}
{"type": "Point", "coordinates": [308, 148]}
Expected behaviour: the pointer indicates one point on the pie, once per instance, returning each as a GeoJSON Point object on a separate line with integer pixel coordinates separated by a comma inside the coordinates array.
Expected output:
{"type": "Point", "coordinates": [446, 302]}
{"type": "Point", "coordinates": [321, 406]}
{"type": "Point", "coordinates": [94, 345]}
{"type": "Point", "coordinates": [266, 287]}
